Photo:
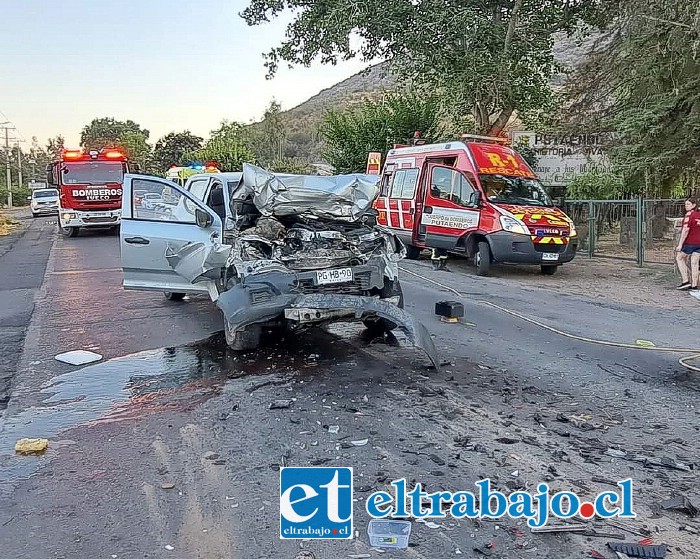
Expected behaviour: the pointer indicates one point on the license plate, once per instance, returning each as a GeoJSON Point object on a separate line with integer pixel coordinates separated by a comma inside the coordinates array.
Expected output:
{"type": "Point", "coordinates": [340, 275]}
{"type": "Point", "coordinates": [550, 256]}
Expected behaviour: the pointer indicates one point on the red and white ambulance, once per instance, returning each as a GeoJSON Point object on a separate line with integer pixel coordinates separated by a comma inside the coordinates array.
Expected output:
{"type": "Point", "coordinates": [476, 197]}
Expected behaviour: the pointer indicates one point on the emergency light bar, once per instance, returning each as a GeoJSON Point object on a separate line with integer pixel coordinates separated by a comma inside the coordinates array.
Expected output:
{"type": "Point", "coordinates": [75, 154]}
{"type": "Point", "coordinates": [485, 139]}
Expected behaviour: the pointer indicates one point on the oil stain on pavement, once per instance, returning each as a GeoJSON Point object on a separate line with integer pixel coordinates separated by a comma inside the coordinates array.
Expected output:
{"type": "Point", "coordinates": [173, 379]}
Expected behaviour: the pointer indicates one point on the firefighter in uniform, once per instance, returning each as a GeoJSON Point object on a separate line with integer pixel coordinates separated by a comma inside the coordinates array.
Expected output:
{"type": "Point", "coordinates": [439, 189]}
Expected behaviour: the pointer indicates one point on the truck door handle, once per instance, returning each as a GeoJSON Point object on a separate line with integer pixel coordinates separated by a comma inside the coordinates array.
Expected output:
{"type": "Point", "coordinates": [136, 241]}
{"type": "Point", "coordinates": [428, 210]}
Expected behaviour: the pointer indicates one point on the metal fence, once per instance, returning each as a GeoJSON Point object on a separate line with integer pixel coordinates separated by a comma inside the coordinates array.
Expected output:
{"type": "Point", "coordinates": [640, 230]}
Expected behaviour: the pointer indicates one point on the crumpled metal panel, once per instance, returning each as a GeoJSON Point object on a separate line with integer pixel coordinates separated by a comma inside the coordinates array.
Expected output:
{"type": "Point", "coordinates": [239, 313]}
{"type": "Point", "coordinates": [343, 197]}
{"type": "Point", "coordinates": [193, 261]}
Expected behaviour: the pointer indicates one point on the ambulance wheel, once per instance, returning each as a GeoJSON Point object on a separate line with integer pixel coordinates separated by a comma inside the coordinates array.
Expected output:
{"type": "Point", "coordinates": [548, 269]}
{"type": "Point", "coordinates": [170, 296]}
{"type": "Point", "coordinates": [70, 231]}
{"type": "Point", "coordinates": [482, 259]}
{"type": "Point", "coordinates": [412, 253]}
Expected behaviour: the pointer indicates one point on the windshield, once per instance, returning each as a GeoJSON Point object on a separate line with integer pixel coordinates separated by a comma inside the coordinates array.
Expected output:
{"type": "Point", "coordinates": [93, 172]}
{"type": "Point", "coordinates": [52, 193]}
{"type": "Point", "coordinates": [501, 189]}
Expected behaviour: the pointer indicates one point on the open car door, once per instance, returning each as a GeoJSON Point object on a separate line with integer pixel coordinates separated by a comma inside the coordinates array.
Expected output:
{"type": "Point", "coordinates": [174, 244]}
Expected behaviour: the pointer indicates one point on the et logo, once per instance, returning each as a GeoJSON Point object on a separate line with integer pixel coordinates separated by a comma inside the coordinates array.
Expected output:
{"type": "Point", "coordinates": [316, 503]}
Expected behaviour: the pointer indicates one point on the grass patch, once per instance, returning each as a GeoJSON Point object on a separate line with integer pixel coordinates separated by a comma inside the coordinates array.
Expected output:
{"type": "Point", "coordinates": [7, 225]}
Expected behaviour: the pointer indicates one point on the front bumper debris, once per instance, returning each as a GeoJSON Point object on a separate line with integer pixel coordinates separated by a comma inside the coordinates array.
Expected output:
{"type": "Point", "coordinates": [321, 307]}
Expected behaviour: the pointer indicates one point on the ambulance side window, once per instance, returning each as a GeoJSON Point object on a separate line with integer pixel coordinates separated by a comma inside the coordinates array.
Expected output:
{"type": "Point", "coordinates": [404, 185]}
{"type": "Point", "coordinates": [441, 182]}
{"type": "Point", "coordinates": [462, 191]}
{"type": "Point", "coordinates": [386, 182]}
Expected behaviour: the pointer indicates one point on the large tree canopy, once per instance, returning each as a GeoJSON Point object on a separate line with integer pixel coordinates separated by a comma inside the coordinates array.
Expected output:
{"type": "Point", "coordinates": [111, 133]}
{"type": "Point", "coordinates": [171, 149]}
{"type": "Point", "coordinates": [490, 57]}
{"type": "Point", "coordinates": [643, 83]}
{"type": "Point", "coordinates": [350, 135]}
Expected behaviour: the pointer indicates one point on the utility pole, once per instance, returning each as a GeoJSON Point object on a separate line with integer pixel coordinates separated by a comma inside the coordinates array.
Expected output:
{"type": "Point", "coordinates": [8, 172]}
{"type": "Point", "coordinates": [19, 165]}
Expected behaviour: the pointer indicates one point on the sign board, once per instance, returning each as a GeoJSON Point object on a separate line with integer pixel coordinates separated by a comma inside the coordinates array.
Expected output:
{"type": "Point", "coordinates": [560, 158]}
{"type": "Point", "coordinates": [33, 185]}
{"type": "Point", "coordinates": [374, 163]}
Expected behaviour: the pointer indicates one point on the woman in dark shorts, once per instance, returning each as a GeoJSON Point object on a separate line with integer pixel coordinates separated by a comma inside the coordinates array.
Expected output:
{"type": "Point", "coordinates": [689, 247]}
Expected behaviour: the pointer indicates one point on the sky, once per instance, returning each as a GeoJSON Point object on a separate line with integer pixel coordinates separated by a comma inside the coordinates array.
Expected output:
{"type": "Point", "coordinates": [169, 65]}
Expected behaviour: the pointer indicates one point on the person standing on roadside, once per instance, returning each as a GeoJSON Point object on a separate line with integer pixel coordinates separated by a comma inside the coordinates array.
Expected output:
{"type": "Point", "coordinates": [688, 249]}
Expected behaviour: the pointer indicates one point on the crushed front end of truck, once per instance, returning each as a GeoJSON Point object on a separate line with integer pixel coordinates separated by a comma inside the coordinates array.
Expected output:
{"type": "Point", "coordinates": [305, 250]}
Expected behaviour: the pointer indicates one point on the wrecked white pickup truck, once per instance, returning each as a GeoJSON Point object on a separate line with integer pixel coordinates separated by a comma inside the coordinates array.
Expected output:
{"type": "Point", "coordinates": [270, 250]}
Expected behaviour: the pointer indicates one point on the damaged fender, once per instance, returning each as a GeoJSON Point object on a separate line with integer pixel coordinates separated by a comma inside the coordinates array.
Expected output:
{"type": "Point", "coordinates": [239, 313]}
{"type": "Point", "coordinates": [193, 261]}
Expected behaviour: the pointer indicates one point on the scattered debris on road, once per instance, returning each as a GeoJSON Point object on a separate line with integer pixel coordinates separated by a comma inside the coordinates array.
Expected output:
{"type": "Point", "coordinates": [393, 534]}
{"type": "Point", "coordinates": [637, 550]}
{"type": "Point", "coordinates": [31, 446]}
{"type": "Point", "coordinates": [78, 357]}
{"type": "Point", "coordinates": [680, 503]}
{"type": "Point", "coordinates": [281, 404]}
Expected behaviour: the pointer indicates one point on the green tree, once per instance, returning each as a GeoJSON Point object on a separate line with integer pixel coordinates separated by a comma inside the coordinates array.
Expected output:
{"type": "Point", "coordinates": [111, 133]}
{"type": "Point", "coordinates": [376, 125]}
{"type": "Point", "coordinates": [172, 147]}
{"type": "Point", "coordinates": [270, 136]}
{"type": "Point", "coordinates": [642, 81]}
{"type": "Point", "coordinates": [490, 58]}
{"type": "Point", "coordinates": [229, 146]}
{"type": "Point", "coordinates": [55, 146]}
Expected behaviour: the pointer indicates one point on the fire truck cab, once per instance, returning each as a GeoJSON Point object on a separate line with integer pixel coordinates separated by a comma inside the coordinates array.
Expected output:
{"type": "Point", "coordinates": [476, 197]}
{"type": "Point", "coordinates": [90, 188]}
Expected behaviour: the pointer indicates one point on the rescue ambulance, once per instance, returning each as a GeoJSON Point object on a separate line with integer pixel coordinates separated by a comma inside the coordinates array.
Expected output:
{"type": "Point", "coordinates": [475, 197]}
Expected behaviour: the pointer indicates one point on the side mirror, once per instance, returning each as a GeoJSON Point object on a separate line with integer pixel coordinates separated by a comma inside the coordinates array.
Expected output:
{"type": "Point", "coordinates": [49, 175]}
{"type": "Point", "coordinates": [202, 218]}
{"type": "Point", "coordinates": [475, 199]}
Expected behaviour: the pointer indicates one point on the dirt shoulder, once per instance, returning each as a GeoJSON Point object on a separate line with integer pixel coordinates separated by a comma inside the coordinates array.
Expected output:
{"type": "Point", "coordinates": [614, 281]}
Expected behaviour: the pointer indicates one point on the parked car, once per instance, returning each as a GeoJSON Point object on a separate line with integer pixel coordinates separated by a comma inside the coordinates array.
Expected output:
{"type": "Point", "coordinates": [43, 201]}
{"type": "Point", "coordinates": [269, 250]}
{"type": "Point", "coordinates": [150, 199]}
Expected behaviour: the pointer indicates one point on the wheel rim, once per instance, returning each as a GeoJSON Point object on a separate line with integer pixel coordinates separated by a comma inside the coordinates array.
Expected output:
{"type": "Point", "coordinates": [477, 260]}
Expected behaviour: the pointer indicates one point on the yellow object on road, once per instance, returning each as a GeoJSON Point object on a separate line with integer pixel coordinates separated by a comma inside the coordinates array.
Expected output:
{"type": "Point", "coordinates": [31, 446]}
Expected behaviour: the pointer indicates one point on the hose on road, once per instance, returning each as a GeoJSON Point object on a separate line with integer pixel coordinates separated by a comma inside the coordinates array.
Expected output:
{"type": "Point", "coordinates": [683, 361]}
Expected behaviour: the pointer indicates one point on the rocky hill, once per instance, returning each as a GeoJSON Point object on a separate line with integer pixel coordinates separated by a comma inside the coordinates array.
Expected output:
{"type": "Point", "coordinates": [302, 121]}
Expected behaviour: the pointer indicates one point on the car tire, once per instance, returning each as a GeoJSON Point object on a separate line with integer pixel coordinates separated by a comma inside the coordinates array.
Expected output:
{"type": "Point", "coordinates": [548, 269]}
{"type": "Point", "coordinates": [170, 296]}
{"type": "Point", "coordinates": [70, 231]}
{"type": "Point", "coordinates": [482, 259]}
{"type": "Point", "coordinates": [413, 253]}
{"type": "Point", "coordinates": [247, 339]}
{"type": "Point", "coordinates": [377, 324]}
{"type": "Point", "coordinates": [114, 230]}
{"type": "Point", "coordinates": [35, 215]}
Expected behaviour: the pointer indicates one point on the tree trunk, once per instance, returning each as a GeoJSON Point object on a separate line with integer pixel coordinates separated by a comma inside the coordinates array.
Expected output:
{"type": "Point", "coordinates": [500, 123]}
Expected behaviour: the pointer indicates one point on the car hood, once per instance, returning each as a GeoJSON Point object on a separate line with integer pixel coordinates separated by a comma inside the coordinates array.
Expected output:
{"type": "Point", "coordinates": [342, 197]}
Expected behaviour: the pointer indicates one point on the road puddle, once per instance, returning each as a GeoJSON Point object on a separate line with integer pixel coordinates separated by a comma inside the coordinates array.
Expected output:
{"type": "Point", "coordinates": [174, 379]}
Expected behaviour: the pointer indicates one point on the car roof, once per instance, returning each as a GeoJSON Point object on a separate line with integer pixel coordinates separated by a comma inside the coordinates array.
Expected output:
{"type": "Point", "coordinates": [228, 176]}
{"type": "Point", "coordinates": [44, 189]}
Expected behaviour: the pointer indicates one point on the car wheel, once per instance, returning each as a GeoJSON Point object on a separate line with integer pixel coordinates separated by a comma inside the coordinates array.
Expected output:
{"type": "Point", "coordinates": [412, 253]}
{"type": "Point", "coordinates": [35, 215]}
{"type": "Point", "coordinates": [247, 339]}
{"type": "Point", "coordinates": [70, 231]}
{"type": "Point", "coordinates": [170, 296]}
{"type": "Point", "coordinates": [548, 269]}
{"type": "Point", "coordinates": [482, 259]}
{"type": "Point", "coordinates": [114, 230]}
{"type": "Point", "coordinates": [378, 324]}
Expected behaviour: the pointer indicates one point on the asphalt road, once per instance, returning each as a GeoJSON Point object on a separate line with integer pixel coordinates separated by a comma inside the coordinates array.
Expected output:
{"type": "Point", "coordinates": [517, 403]}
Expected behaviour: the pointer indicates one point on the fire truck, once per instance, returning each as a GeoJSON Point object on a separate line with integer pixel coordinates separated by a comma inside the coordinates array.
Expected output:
{"type": "Point", "coordinates": [476, 197]}
{"type": "Point", "coordinates": [90, 188]}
